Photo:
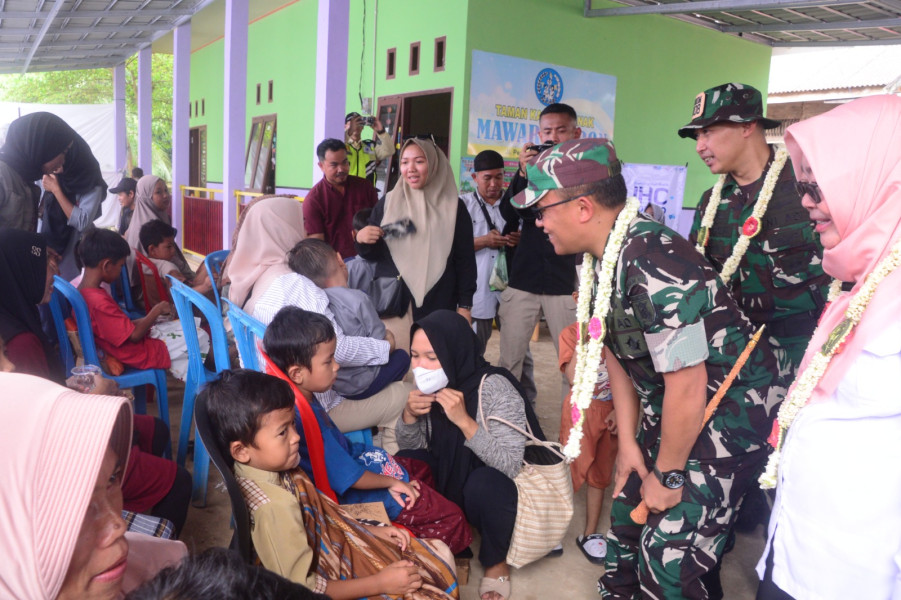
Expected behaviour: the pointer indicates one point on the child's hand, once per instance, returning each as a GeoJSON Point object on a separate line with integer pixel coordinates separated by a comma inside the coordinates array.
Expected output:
{"type": "Point", "coordinates": [389, 337]}
{"type": "Point", "coordinates": [411, 490]}
{"type": "Point", "coordinates": [611, 422]}
{"type": "Point", "coordinates": [392, 535]}
{"type": "Point", "coordinates": [369, 234]}
{"type": "Point", "coordinates": [399, 578]}
{"type": "Point", "coordinates": [162, 308]}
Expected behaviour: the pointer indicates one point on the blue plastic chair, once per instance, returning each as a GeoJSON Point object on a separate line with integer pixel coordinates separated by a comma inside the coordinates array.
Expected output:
{"type": "Point", "coordinates": [131, 378]}
{"type": "Point", "coordinates": [121, 292]}
{"type": "Point", "coordinates": [247, 331]}
{"type": "Point", "coordinates": [185, 299]}
{"type": "Point", "coordinates": [213, 263]}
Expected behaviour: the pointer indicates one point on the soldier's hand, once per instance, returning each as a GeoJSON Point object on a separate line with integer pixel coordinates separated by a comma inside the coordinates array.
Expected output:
{"type": "Point", "coordinates": [628, 459]}
{"type": "Point", "coordinates": [657, 496]}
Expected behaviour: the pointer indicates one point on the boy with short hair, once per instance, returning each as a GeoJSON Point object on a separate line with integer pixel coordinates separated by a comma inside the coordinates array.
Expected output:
{"type": "Point", "coordinates": [158, 239]}
{"type": "Point", "coordinates": [301, 344]}
{"type": "Point", "coordinates": [360, 272]}
{"type": "Point", "coordinates": [354, 313]}
{"type": "Point", "coordinates": [125, 190]}
{"type": "Point", "coordinates": [252, 422]}
{"type": "Point", "coordinates": [143, 343]}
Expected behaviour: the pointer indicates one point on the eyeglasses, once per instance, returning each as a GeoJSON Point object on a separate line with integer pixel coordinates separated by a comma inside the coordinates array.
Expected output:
{"type": "Point", "coordinates": [538, 211]}
{"type": "Point", "coordinates": [809, 188]}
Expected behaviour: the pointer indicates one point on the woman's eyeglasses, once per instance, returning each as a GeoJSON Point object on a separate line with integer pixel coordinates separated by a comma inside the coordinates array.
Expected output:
{"type": "Point", "coordinates": [809, 188]}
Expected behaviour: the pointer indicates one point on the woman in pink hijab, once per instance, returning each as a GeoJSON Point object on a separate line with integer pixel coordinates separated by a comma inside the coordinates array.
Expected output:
{"type": "Point", "coordinates": [835, 530]}
{"type": "Point", "coordinates": [61, 501]}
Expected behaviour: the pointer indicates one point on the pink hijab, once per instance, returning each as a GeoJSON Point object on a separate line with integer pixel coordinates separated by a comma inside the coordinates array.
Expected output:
{"type": "Point", "coordinates": [855, 153]}
{"type": "Point", "coordinates": [271, 228]}
{"type": "Point", "coordinates": [50, 455]}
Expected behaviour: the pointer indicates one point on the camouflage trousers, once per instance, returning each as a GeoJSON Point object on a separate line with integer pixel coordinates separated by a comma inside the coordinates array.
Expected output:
{"type": "Point", "coordinates": [668, 556]}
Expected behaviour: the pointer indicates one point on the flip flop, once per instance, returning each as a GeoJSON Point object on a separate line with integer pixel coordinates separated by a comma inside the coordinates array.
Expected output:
{"type": "Point", "coordinates": [594, 547]}
{"type": "Point", "coordinates": [501, 585]}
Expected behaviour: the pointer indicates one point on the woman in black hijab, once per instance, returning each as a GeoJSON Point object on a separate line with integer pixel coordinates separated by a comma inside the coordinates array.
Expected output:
{"type": "Point", "coordinates": [73, 192]}
{"type": "Point", "coordinates": [31, 150]}
{"type": "Point", "coordinates": [473, 466]}
{"type": "Point", "coordinates": [27, 267]}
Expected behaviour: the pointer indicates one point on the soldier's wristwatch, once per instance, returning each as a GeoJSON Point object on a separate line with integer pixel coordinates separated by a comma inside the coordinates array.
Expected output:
{"type": "Point", "coordinates": [670, 479]}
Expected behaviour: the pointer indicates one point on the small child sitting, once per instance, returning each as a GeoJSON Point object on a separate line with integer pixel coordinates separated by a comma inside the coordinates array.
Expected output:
{"type": "Point", "coordinates": [143, 343]}
{"type": "Point", "coordinates": [297, 531]}
{"type": "Point", "coordinates": [594, 465]}
{"type": "Point", "coordinates": [360, 272]}
{"type": "Point", "coordinates": [354, 313]}
{"type": "Point", "coordinates": [301, 345]}
{"type": "Point", "coordinates": [158, 240]}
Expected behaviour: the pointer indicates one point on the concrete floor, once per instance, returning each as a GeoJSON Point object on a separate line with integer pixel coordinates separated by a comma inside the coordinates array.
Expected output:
{"type": "Point", "coordinates": [570, 576]}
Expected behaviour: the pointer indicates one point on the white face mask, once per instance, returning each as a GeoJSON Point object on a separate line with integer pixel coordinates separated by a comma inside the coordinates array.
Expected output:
{"type": "Point", "coordinates": [429, 381]}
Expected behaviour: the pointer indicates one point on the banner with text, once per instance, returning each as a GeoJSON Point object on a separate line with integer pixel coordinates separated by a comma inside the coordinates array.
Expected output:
{"type": "Point", "coordinates": [661, 185]}
{"type": "Point", "coordinates": [508, 93]}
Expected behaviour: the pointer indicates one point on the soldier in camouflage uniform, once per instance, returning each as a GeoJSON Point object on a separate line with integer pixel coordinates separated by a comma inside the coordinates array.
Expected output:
{"type": "Point", "coordinates": [780, 280]}
{"type": "Point", "coordinates": [672, 336]}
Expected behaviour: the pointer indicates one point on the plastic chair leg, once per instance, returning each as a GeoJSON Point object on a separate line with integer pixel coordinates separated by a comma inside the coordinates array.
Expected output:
{"type": "Point", "coordinates": [201, 473]}
{"type": "Point", "coordinates": [187, 418]}
{"type": "Point", "coordinates": [162, 394]}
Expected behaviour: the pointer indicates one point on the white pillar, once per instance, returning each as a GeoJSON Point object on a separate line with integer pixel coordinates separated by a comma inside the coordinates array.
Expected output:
{"type": "Point", "coordinates": [145, 96]}
{"type": "Point", "coordinates": [331, 74]}
{"type": "Point", "coordinates": [234, 112]}
{"type": "Point", "coordinates": [121, 140]}
{"type": "Point", "coordinates": [181, 96]}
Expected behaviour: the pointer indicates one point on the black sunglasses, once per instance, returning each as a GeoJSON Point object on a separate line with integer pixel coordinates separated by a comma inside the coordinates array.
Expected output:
{"type": "Point", "coordinates": [809, 188]}
{"type": "Point", "coordinates": [538, 211]}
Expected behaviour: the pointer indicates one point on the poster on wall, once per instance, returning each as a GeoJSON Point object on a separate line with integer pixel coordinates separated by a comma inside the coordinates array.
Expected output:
{"type": "Point", "coordinates": [508, 93]}
{"type": "Point", "coordinates": [657, 185]}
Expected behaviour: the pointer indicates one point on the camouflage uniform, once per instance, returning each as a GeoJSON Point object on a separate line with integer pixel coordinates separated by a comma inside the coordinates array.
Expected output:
{"type": "Point", "coordinates": [670, 311]}
{"type": "Point", "coordinates": [780, 280]}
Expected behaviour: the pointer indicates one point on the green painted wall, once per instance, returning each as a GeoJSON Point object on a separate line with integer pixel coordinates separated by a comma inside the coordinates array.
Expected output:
{"type": "Point", "coordinates": [207, 82]}
{"type": "Point", "coordinates": [660, 63]}
{"type": "Point", "coordinates": [400, 23]}
{"type": "Point", "coordinates": [281, 47]}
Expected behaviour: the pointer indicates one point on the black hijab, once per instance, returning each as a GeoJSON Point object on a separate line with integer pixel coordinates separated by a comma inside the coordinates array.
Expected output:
{"type": "Point", "coordinates": [81, 173]}
{"type": "Point", "coordinates": [460, 353]}
{"type": "Point", "coordinates": [32, 141]}
{"type": "Point", "coordinates": [23, 275]}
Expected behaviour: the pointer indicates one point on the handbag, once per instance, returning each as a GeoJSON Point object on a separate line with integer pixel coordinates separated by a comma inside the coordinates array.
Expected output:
{"type": "Point", "coordinates": [387, 294]}
{"type": "Point", "coordinates": [545, 490]}
{"type": "Point", "coordinates": [499, 279]}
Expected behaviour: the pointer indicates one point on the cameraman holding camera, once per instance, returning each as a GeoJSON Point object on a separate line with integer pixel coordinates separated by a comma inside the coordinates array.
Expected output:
{"type": "Point", "coordinates": [364, 155]}
{"type": "Point", "coordinates": [540, 280]}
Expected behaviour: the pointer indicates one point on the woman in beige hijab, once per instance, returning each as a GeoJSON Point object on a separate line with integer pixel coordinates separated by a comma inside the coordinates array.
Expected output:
{"type": "Point", "coordinates": [436, 262]}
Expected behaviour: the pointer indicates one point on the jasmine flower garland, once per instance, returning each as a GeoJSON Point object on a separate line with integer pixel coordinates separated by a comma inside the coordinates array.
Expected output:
{"type": "Point", "coordinates": [751, 226]}
{"type": "Point", "coordinates": [591, 324]}
{"type": "Point", "coordinates": [800, 393]}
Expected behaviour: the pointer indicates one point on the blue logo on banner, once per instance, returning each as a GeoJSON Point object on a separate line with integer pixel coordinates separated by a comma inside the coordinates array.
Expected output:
{"type": "Point", "coordinates": [548, 86]}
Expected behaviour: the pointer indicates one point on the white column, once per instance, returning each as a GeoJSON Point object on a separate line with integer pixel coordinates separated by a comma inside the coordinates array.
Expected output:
{"type": "Point", "coordinates": [145, 95]}
{"type": "Point", "coordinates": [121, 140]}
{"type": "Point", "coordinates": [331, 74]}
{"type": "Point", "coordinates": [181, 96]}
{"type": "Point", "coordinates": [234, 112]}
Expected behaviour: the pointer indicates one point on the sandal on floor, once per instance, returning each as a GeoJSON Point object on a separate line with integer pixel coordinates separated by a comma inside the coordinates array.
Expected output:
{"type": "Point", "coordinates": [593, 546]}
{"type": "Point", "coordinates": [501, 585]}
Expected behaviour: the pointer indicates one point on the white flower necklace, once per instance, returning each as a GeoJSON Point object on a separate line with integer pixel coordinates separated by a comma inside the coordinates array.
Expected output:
{"type": "Point", "coordinates": [799, 394]}
{"type": "Point", "coordinates": [591, 325]}
{"type": "Point", "coordinates": [751, 226]}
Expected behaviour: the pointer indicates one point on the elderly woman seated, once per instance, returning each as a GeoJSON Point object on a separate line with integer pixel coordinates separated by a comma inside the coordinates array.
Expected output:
{"type": "Point", "coordinates": [61, 499]}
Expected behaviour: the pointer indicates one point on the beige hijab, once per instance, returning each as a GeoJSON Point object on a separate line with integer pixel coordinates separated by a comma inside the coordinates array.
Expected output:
{"type": "Point", "coordinates": [422, 256]}
{"type": "Point", "coordinates": [146, 211]}
{"type": "Point", "coordinates": [271, 228]}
